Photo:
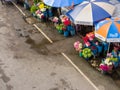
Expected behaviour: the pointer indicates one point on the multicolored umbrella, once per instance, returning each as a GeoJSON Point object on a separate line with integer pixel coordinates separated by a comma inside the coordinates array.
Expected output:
{"type": "Point", "coordinates": [108, 30]}
{"type": "Point", "coordinates": [90, 12]}
{"type": "Point", "coordinates": [61, 3]}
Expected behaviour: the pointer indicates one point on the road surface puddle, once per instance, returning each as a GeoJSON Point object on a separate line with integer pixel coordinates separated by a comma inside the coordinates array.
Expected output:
{"type": "Point", "coordinates": [40, 47]}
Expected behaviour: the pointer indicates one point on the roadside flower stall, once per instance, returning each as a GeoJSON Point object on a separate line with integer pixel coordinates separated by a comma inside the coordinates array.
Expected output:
{"type": "Point", "coordinates": [103, 45]}
{"type": "Point", "coordinates": [64, 26]}
{"type": "Point", "coordinates": [109, 30]}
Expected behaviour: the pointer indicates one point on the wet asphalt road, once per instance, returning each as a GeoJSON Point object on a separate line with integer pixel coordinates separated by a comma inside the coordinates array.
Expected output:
{"type": "Point", "coordinates": [32, 63]}
{"type": "Point", "coordinates": [26, 64]}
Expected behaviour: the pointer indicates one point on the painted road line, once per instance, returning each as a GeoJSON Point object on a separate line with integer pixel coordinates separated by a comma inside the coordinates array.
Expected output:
{"type": "Point", "coordinates": [43, 33]}
{"type": "Point", "coordinates": [19, 9]}
{"type": "Point", "coordinates": [80, 71]}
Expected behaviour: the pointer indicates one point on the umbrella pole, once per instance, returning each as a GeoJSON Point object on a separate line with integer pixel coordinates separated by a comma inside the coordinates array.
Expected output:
{"type": "Point", "coordinates": [108, 47]}
{"type": "Point", "coordinates": [59, 11]}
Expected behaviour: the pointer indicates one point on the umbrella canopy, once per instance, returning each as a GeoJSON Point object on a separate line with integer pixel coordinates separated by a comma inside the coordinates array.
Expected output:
{"type": "Point", "coordinates": [90, 12]}
{"type": "Point", "coordinates": [108, 30]}
{"type": "Point", "coordinates": [61, 3]}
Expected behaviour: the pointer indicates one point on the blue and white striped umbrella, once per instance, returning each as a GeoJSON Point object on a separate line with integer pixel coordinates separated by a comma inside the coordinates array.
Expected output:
{"type": "Point", "coordinates": [90, 12]}
{"type": "Point", "coordinates": [62, 3]}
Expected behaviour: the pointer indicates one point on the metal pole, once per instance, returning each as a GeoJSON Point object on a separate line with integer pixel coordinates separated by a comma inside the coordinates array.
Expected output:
{"type": "Point", "coordinates": [108, 47]}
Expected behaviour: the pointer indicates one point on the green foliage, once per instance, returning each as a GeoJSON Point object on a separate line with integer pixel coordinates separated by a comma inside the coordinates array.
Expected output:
{"type": "Point", "coordinates": [36, 1]}
{"type": "Point", "coordinates": [60, 26]}
{"type": "Point", "coordinates": [33, 8]}
{"type": "Point", "coordinates": [114, 59]}
{"type": "Point", "coordinates": [86, 53]}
